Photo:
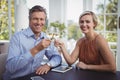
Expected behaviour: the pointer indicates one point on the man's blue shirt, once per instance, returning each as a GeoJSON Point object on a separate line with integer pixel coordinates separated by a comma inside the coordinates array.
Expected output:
{"type": "Point", "coordinates": [20, 62]}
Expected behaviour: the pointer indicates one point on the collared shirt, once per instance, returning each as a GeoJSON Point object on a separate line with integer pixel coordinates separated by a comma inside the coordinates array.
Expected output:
{"type": "Point", "coordinates": [20, 62]}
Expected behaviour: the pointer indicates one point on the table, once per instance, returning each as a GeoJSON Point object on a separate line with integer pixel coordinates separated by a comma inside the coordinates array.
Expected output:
{"type": "Point", "coordinates": [75, 74]}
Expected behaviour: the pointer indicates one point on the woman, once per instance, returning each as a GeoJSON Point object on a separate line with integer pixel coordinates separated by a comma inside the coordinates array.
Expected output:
{"type": "Point", "coordinates": [92, 50]}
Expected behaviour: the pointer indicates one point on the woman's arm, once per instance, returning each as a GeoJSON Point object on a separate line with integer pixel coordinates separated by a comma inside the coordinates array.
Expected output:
{"type": "Point", "coordinates": [70, 58]}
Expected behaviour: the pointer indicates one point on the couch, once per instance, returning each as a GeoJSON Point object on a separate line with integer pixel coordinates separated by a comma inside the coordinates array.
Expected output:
{"type": "Point", "coordinates": [3, 58]}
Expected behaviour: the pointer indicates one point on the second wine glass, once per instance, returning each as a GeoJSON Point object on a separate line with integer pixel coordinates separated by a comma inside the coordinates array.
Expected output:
{"type": "Point", "coordinates": [52, 34]}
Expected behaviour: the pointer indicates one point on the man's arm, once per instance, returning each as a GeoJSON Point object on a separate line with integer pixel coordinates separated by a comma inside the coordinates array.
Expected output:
{"type": "Point", "coordinates": [16, 60]}
{"type": "Point", "coordinates": [54, 60]}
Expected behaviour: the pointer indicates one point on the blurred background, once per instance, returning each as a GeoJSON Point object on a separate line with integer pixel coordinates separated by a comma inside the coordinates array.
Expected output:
{"type": "Point", "coordinates": [63, 14]}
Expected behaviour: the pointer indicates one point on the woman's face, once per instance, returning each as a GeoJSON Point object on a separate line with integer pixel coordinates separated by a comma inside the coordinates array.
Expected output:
{"type": "Point", "coordinates": [37, 21]}
{"type": "Point", "coordinates": [86, 24]}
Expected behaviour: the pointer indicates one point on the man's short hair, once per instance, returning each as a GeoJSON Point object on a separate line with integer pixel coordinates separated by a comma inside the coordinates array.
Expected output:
{"type": "Point", "coordinates": [37, 8]}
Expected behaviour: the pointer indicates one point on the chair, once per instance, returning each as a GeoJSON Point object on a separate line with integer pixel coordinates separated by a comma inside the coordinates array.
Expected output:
{"type": "Point", "coordinates": [3, 58]}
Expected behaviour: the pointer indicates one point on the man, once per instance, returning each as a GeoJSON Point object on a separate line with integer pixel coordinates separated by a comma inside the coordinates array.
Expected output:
{"type": "Point", "coordinates": [28, 47]}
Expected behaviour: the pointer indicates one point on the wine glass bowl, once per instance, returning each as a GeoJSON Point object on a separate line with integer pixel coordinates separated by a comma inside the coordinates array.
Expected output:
{"type": "Point", "coordinates": [52, 33]}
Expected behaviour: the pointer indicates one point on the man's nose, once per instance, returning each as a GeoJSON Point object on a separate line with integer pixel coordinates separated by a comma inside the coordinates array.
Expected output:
{"type": "Point", "coordinates": [38, 21]}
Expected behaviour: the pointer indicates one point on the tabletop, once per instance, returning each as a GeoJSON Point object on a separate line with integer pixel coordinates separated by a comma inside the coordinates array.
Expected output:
{"type": "Point", "coordinates": [75, 74]}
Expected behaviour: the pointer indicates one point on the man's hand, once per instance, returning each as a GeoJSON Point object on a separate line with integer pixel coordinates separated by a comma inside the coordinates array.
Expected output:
{"type": "Point", "coordinates": [43, 69]}
{"type": "Point", "coordinates": [40, 46]}
{"type": "Point", "coordinates": [44, 43]}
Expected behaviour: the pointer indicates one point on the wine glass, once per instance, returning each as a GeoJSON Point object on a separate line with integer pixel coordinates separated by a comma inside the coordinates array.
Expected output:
{"type": "Point", "coordinates": [57, 36]}
{"type": "Point", "coordinates": [56, 33]}
{"type": "Point", "coordinates": [51, 33]}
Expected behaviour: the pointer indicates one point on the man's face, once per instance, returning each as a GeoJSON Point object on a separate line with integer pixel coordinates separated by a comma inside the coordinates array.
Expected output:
{"type": "Point", "coordinates": [37, 21]}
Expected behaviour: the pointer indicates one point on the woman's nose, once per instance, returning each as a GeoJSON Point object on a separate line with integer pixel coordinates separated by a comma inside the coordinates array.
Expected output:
{"type": "Point", "coordinates": [84, 23]}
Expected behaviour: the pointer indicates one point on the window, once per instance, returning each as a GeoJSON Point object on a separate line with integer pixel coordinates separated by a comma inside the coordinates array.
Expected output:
{"type": "Point", "coordinates": [107, 13]}
{"type": "Point", "coordinates": [74, 9]}
{"type": "Point", "coordinates": [5, 15]}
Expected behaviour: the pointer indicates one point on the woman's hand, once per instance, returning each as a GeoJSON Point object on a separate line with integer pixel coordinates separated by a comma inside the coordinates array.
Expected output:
{"type": "Point", "coordinates": [57, 43]}
{"type": "Point", "coordinates": [60, 45]}
{"type": "Point", "coordinates": [82, 65]}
